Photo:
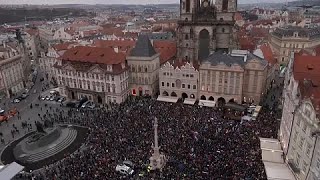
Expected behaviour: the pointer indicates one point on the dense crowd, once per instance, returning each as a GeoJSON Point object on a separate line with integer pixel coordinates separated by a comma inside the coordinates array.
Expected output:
{"type": "Point", "coordinates": [197, 141]}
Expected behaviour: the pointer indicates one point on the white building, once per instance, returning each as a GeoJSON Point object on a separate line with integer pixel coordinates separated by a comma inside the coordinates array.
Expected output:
{"type": "Point", "coordinates": [47, 61]}
{"type": "Point", "coordinates": [100, 74]}
{"type": "Point", "coordinates": [179, 80]}
{"type": "Point", "coordinates": [300, 125]}
{"type": "Point", "coordinates": [52, 33]}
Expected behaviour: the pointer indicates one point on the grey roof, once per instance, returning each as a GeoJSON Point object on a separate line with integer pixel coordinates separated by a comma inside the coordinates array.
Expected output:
{"type": "Point", "coordinates": [221, 57]}
{"type": "Point", "coordinates": [289, 31]}
{"type": "Point", "coordinates": [229, 60]}
{"type": "Point", "coordinates": [161, 36]}
{"type": "Point", "coordinates": [143, 47]}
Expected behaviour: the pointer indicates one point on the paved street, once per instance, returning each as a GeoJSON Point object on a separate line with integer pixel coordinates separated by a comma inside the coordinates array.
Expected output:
{"type": "Point", "coordinates": [273, 98]}
{"type": "Point", "coordinates": [25, 112]}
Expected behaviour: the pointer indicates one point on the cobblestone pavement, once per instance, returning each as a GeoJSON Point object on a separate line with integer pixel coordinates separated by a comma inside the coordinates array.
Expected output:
{"type": "Point", "coordinates": [26, 114]}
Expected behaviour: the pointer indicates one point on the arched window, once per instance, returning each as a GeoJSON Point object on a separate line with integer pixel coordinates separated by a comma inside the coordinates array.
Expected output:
{"type": "Point", "coordinates": [188, 5]}
{"type": "Point", "coordinates": [186, 37]}
{"type": "Point", "coordinates": [225, 5]}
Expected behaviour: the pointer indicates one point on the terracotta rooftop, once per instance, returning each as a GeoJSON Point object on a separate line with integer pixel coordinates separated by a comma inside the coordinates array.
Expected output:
{"type": "Point", "coordinates": [306, 67]}
{"type": "Point", "coordinates": [62, 46]}
{"type": "Point", "coordinates": [32, 32]}
{"type": "Point", "coordinates": [267, 53]}
{"type": "Point", "coordinates": [166, 48]}
{"type": "Point", "coordinates": [247, 43]}
{"type": "Point", "coordinates": [238, 17]}
{"type": "Point", "coordinates": [95, 55]}
{"type": "Point", "coordinates": [122, 45]}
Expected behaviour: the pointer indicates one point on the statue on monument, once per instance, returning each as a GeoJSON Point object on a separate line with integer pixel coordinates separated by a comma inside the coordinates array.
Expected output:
{"type": "Point", "coordinates": [39, 126]}
{"type": "Point", "coordinates": [157, 160]}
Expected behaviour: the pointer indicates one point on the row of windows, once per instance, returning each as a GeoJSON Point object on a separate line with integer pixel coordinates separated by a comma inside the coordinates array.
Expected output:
{"type": "Point", "coordinates": [96, 86]}
{"type": "Point", "coordinates": [146, 68]}
{"type": "Point", "coordinates": [183, 75]}
{"type": "Point", "coordinates": [182, 85]}
{"type": "Point", "coordinates": [92, 75]}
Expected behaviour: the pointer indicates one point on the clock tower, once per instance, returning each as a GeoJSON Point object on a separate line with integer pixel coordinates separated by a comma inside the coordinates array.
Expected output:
{"type": "Point", "coordinates": [205, 26]}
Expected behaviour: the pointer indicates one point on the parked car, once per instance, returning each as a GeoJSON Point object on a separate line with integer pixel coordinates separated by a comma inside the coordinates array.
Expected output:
{"type": "Point", "coordinates": [1, 111]}
{"type": "Point", "coordinates": [47, 98]}
{"type": "Point", "coordinates": [84, 105]}
{"type": "Point", "coordinates": [124, 169]}
{"type": "Point", "coordinates": [91, 105]}
{"type": "Point", "coordinates": [52, 98]}
{"type": "Point", "coordinates": [16, 100]}
{"type": "Point", "coordinates": [81, 101]}
{"type": "Point", "coordinates": [61, 99]}
{"type": "Point", "coordinates": [43, 98]}
{"type": "Point", "coordinates": [24, 95]}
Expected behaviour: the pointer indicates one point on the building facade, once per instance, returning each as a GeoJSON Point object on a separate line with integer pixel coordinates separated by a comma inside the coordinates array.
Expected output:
{"type": "Point", "coordinates": [293, 38]}
{"type": "Point", "coordinates": [144, 64]}
{"type": "Point", "coordinates": [11, 71]}
{"type": "Point", "coordinates": [205, 27]}
{"type": "Point", "coordinates": [179, 80]}
{"type": "Point", "coordinates": [100, 74]}
{"type": "Point", "coordinates": [300, 125]}
{"type": "Point", "coordinates": [239, 76]}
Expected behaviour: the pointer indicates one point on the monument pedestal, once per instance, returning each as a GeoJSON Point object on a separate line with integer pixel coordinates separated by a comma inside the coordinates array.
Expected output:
{"type": "Point", "coordinates": [157, 160]}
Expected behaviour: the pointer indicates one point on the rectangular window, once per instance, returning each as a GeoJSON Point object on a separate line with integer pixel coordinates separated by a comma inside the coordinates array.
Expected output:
{"type": "Point", "coordinates": [295, 136]}
{"type": "Point", "coordinates": [304, 127]}
{"type": "Point", "coordinates": [172, 84]}
{"type": "Point", "coordinates": [194, 87]}
{"type": "Point", "coordinates": [112, 78]}
{"type": "Point", "coordinates": [308, 149]}
{"type": "Point", "coordinates": [304, 166]}
{"type": "Point", "coordinates": [183, 86]}
{"type": "Point", "coordinates": [301, 142]}
{"type": "Point", "coordinates": [113, 88]}
{"type": "Point", "coordinates": [189, 86]}
{"type": "Point", "coordinates": [298, 121]}
{"type": "Point", "coordinates": [162, 83]}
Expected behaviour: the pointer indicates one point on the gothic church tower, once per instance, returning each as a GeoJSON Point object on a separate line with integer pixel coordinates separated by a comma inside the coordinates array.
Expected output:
{"type": "Point", "coordinates": [205, 26]}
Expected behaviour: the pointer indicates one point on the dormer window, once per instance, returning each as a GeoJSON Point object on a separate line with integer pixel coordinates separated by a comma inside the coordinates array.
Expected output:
{"type": "Point", "coordinates": [295, 34]}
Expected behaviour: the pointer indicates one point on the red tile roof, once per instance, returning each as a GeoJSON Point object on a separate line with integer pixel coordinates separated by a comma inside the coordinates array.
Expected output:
{"type": "Point", "coordinates": [238, 17]}
{"type": "Point", "coordinates": [112, 31]}
{"type": "Point", "coordinates": [62, 46]}
{"type": "Point", "coordinates": [122, 45]}
{"type": "Point", "coordinates": [32, 32]}
{"type": "Point", "coordinates": [247, 43]}
{"type": "Point", "coordinates": [166, 48]}
{"type": "Point", "coordinates": [95, 55]}
{"type": "Point", "coordinates": [306, 67]}
{"type": "Point", "coordinates": [268, 54]}
{"type": "Point", "coordinates": [306, 70]}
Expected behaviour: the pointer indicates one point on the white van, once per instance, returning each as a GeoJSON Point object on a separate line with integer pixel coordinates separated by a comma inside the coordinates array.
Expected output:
{"type": "Point", "coordinates": [124, 169]}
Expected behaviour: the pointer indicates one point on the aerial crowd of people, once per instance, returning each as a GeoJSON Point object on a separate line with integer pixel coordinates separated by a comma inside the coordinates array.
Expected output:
{"type": "Point", "coordinates": [197, 141]}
